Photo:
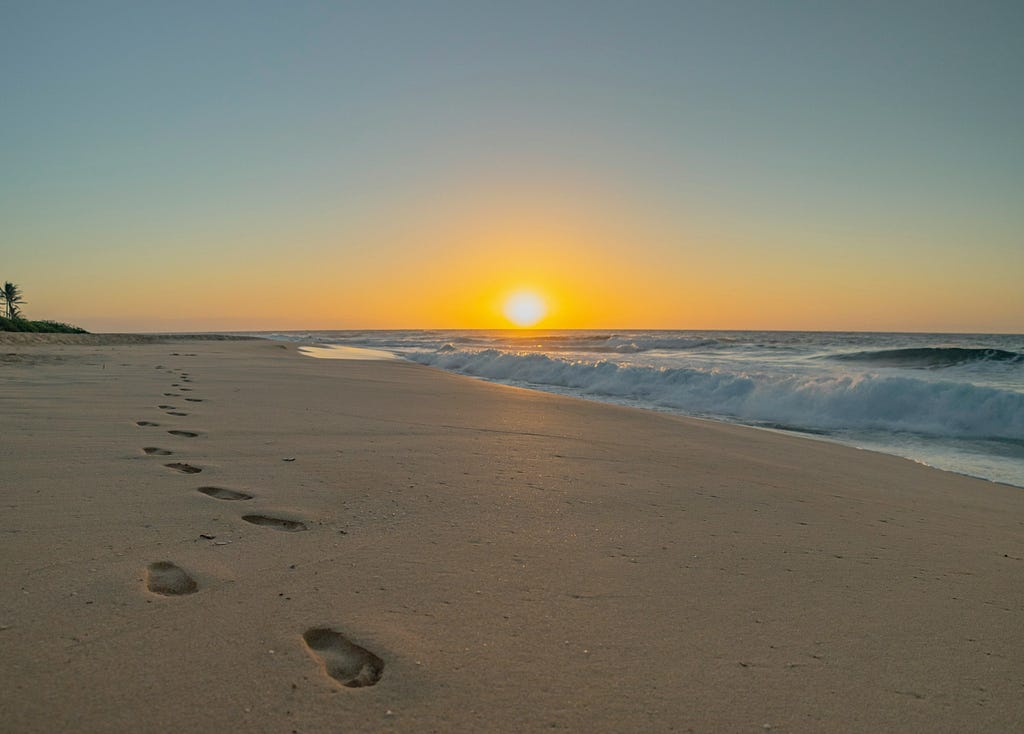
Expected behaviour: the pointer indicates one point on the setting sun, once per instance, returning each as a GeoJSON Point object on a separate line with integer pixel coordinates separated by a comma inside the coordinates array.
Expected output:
{"type": "Point", "coordinates": [525, 309]}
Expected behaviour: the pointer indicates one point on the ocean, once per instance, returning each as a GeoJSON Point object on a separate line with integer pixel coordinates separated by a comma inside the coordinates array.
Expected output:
{"type": "Point", "coordinates": [952, 401]}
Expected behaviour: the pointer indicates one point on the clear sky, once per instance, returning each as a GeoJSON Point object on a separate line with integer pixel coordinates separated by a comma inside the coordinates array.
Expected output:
{"type": "Point", "coordinates": [746, 165]}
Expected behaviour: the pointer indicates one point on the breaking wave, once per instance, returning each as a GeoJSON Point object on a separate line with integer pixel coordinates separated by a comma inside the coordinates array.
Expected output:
{"type": "Point", "coordinates": [828, 403]}
{"type": "Point", "coordinates": [930, 357]}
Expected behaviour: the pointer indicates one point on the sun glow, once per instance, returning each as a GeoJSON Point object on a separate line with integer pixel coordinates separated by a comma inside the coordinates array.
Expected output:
{"type": "Point", "coordinates": [525, 309]}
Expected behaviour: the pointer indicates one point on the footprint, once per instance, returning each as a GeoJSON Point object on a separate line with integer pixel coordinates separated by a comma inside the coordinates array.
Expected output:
{"type": "Point", "coordinates": [163, 577]}
{"type": "Point", "coordinates": [166, 407]}
{"type": "Point", "coordinates": [219, 493]}
{"type": "Point", "coordinates": [184, 434]}
{"type": "Point", "coordinates": [184, 468]}
{"type": "Point", "coordinates": [175, 412]}
{"type": "Point", "coordinates": [194, 400]}
{"type": "Point", "coordinates": [348, 663]}
{"type": "Point", "coordinates": [154, 451]}
{"type": "Point", "coordinates": [172, 395]}
{"type": "Point", "coordinates": [290, 526]}
{"type": "Point", "coordinates": [146, 423]}
{"type": "Point", "coordinates": [185, 389]}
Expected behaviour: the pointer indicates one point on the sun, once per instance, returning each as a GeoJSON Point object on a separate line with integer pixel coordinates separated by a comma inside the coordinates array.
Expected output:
{"type": "Point", "coordinates": [524, 309]}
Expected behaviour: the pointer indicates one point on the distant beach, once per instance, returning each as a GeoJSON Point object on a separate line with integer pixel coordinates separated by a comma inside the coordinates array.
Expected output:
{"type": "Point", "coordinates": [228, 535]}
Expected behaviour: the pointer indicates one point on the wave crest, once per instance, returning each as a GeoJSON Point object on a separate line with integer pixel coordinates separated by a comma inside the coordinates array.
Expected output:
{"type": "Point", "coordinates": [930, 357]}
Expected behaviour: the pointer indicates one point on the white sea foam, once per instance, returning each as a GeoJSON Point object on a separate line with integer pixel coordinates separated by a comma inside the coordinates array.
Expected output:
{"type": "Point", "coordinates": [866, 401]}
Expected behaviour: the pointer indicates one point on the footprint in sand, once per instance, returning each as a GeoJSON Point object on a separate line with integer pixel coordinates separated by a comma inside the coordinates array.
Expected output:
{"type": "Point", "coordinates": [166, 407]}
{"type": "Point", "coordinates": [183, 434]}
{"type": "Point", "coordinates": [185, 389]}
{"type": "Point", "coordinates": [220, 493]}
{"type": "Point", "coordinates": [289, 526]}
{"type": "Point", "coordinates": [172, 395]}
{"type": "Point", "coordinates": [348, 663]}
{"type": "Point", "coordinates": [175, 412]}
{"type": "Point", "coordinates": [184, 468]}
{"type": "Point", "coordinates": [154, 451]}
{"type": "Point", "coordinates": [163, 577]}
{"type": "Point", "coordinates": [146, 423]}
{"type": "Point", "coordinates": [194, 400]}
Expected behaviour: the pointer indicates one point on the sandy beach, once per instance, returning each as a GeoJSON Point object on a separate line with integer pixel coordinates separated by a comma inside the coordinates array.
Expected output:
{"type": "Point", "coordinates": [230, 536]}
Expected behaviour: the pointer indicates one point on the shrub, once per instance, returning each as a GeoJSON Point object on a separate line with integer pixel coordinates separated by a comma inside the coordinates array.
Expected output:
{"type": "Point", "coordinates": [42, 327]}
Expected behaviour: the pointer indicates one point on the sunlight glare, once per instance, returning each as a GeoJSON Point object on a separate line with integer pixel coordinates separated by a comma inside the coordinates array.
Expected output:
{"type": "Point", "coordinates": [525, 309]}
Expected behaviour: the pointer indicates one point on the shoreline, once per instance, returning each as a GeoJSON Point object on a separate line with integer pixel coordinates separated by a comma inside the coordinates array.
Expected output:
{"type": "Point", "coordinates": [807, 435]}
{"type": "Point", "coordinates": [951, 403]}
{"type": "Point", "coordinates": [514, 559]}
{"type": "Point", "coordinates": [100, 339]}
{"type": "Point", "coordinates": [351, 352]}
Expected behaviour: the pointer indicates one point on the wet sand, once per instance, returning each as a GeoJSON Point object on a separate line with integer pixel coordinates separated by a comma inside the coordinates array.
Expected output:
{"type": "Point", "coordinates": [230, 536]}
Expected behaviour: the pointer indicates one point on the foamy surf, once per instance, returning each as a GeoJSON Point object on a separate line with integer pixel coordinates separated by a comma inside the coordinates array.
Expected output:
{"type": "Point", "coordinates": [826, 403]}
{"type": "Point", "coordinates": [952, 401]}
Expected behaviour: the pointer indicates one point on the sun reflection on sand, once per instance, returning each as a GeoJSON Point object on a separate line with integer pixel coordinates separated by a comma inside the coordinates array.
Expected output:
{"type": "Point", "coordinates": [335, 351]}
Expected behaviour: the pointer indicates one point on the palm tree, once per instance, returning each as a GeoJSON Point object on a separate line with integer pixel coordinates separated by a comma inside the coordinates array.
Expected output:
{"type": "Point", "coordinates": [12, 297]}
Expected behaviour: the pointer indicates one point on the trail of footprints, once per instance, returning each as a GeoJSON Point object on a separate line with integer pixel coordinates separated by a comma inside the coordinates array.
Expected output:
{"type": "Point", "coordinates": [342, 660]}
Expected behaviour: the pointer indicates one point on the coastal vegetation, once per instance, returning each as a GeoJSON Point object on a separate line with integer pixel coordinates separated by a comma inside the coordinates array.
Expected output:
{"type": "Point", "coordinates": [11, 301]}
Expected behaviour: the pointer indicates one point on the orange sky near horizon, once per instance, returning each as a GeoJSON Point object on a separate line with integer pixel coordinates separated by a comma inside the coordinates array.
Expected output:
{"type": "Point", "coordinates": [451, 259]}
{"type": "Point", "coordinates": [461, 270]}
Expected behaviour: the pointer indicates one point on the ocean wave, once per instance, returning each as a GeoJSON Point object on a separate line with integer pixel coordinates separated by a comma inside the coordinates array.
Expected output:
{"type": "Point", "coordinates": [598, 343]}
{"type": "Point", "coordinates": [830, 403]}
{"type": "Point", "coordinates": [634, 345]}
{"type": "Point", "coordinates": [930, 357]}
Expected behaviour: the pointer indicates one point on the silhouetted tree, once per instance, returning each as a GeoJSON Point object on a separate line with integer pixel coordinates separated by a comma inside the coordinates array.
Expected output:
{"type": "Point", "coordinates": [12, 299]}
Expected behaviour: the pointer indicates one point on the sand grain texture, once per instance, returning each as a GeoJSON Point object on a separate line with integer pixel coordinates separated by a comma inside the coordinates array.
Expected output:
{"type": "Point", "coordinates": [505, 560]}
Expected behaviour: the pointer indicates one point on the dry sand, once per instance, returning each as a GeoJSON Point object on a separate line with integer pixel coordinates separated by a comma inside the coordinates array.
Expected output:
{"type": "Point", "coordinates": [490, 558]}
